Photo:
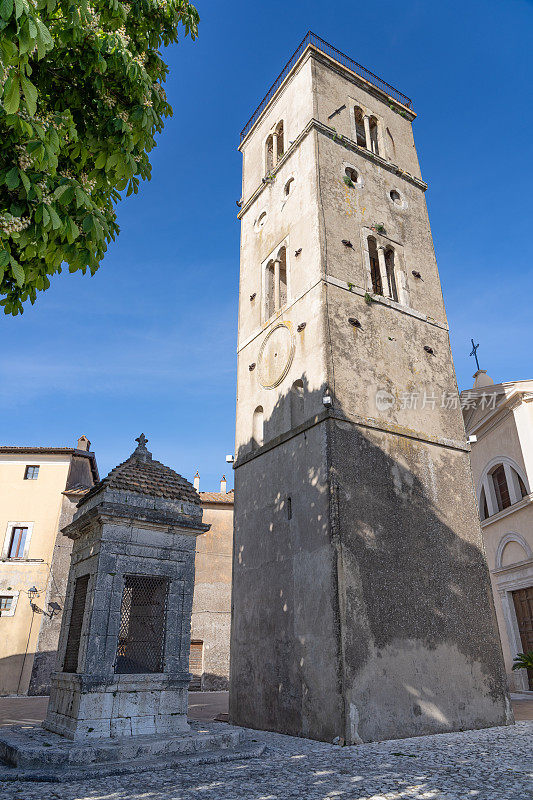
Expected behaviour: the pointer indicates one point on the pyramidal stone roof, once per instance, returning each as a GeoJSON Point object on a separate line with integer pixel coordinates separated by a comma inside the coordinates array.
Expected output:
{"type": "Point", "coordinates": [142, 475]}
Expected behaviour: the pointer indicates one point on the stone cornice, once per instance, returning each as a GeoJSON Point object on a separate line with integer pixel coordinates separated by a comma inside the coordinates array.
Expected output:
{"type": "Point", "coordinates": [359, 421]}
{"type": "Point", "coordinates": [113, 512]}
{"type": "Point", "coordinates": [315, 124]}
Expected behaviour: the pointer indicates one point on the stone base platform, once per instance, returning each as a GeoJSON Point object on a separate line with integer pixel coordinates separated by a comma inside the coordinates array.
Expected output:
{"type": "Point", "coordinates": [35, 754]}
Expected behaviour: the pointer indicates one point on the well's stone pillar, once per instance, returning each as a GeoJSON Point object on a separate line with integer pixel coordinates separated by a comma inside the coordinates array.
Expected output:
{"type": "Point", "coordinates": [123, 653]}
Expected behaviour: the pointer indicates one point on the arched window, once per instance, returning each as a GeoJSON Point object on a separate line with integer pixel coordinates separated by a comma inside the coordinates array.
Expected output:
{"type": "Point", "coordinates": [275, 283]}
{"type": "Point", "coordinates": [280, 140]}
{"type": "Point", "coordinates": [257, 428]}
{"type": "Point", "coordinates": [269, 289]}
{"type": "Point", "coordinates": [282, 256]}
{"type": "Point", "coordinates": [501, 486]}
{"type": "Point", "coordinates": [391, 278]}
{"type": "Point", "coordinates": [269, 160]}
{"type": "Point", "coordinates": [297, 403]}
{"type": "Point", "coordinates": [360, 135]}
{"type": "Point", "coordinates": [375, 274]}
{"type": "Point", "coordinates": [374, 145]}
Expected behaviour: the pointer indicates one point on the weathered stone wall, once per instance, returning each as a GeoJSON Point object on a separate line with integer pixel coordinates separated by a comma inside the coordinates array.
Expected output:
{"type": "Point", "coordinates": [285, 660]}
{"type": "Point", "coordinates": [358, 613]}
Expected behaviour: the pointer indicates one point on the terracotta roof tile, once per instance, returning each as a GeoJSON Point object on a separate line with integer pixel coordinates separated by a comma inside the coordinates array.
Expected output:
{"type": "Point", "coordinates": [140, 474]}
{"type": "Point", "coordinates": [217, 497]}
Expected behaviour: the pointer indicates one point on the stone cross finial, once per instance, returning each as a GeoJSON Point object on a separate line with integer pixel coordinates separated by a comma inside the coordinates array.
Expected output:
{"type": "Point", "coordinates": [141, 450]}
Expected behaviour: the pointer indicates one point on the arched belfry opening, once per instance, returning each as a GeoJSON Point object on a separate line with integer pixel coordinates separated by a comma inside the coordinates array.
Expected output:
{"type": "Point", "coordinates": [391, 274]}
{"type": "Point", "coordinates": [360, 135]}
{"type": "Point", "coordinates": [374, 135]}
{"type": "Point", "coordinates": [375, 274]}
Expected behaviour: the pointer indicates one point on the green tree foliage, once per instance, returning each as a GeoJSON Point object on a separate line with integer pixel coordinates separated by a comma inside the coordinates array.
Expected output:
{"type": "Point", "coordinates": [523, 661]}
{"type": "Point", "coordinates": [81, 100]}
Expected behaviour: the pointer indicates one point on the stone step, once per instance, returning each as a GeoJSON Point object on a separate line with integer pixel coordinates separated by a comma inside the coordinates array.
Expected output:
{"type": "Point", "coordinates": [34, 754]}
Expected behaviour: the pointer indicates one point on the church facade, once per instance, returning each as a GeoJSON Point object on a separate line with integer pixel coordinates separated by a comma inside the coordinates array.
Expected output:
{"type": "Point", "coordinates": [499, 420]}
{"type": "Point", "coordinates": [361, 597]}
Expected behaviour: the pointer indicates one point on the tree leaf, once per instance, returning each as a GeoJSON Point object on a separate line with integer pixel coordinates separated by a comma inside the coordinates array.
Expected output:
{"type": "Point", "coordinates": [12, 178]}
{"type": "Point", "coordinates": [88, 223]}
{"type": "Point", "coordinates": [19, 8]}
{"type": "Point", "coordinates": [18, 272]}
{"type": "Point", "coordinates": [4, 258]}
{"type": "Point", "coordinates": [6, 8]}
{"type": "Point", "coordinates": [25, 180]}
{"type": "Point", "coordinates": [30, 94]}
{"type": "Point", "coordinates": [12, 95]}
{"type": "Point", "coordinates": [56, 221]}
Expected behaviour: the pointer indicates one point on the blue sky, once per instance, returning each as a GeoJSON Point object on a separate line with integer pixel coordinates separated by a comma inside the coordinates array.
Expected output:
{"type": "Point", "coordinates": [149, 342]}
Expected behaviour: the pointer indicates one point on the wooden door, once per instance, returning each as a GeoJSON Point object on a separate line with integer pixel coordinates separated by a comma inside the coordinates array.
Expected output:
{"type": "Point", "coordinates": [523, 603]}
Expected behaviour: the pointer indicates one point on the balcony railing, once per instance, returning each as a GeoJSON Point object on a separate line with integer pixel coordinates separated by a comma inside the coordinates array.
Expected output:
{"type": "Point", "coordinates": [341, 58]}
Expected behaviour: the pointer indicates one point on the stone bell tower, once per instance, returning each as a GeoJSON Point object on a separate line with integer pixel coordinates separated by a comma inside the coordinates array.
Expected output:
{"type": "Point", "coordinates": [361, 597]}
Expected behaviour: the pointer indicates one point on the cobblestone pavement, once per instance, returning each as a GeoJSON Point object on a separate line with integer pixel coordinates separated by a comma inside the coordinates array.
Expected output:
{"type": "Point", "coordinates": [492, 764]}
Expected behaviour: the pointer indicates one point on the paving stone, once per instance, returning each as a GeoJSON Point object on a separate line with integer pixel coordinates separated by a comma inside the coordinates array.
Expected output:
{"type": "Point", "coordinates": [491, 764]}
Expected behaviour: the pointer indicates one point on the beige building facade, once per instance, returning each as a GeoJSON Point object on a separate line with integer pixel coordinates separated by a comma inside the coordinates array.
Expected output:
{"type": "Point", "coordinates": [499, 421]}
{"type": "Point", "coordinates": [39, 488]}
{"type": "Point", "coordinates": [211, 611]}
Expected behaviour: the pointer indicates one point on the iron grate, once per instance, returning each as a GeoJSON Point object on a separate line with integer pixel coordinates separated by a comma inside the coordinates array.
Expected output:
{"type": "Point", "coordinates": [70, 663]}
{"type": "Point", "coordinates": [141, 638]}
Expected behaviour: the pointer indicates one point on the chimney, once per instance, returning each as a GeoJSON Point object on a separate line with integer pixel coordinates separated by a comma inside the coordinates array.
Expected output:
{"type": "Point", "coordinates": [223, 485]}
{"type": "Point", "coordinates": [196, 481]}
{"type": "Point", "coordinates": [83, 443]}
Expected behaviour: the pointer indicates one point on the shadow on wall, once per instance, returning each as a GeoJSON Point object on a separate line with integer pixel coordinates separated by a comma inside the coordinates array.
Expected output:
{"type": "Point", "coordinates": [396, 586]}
{"type": "Point", "coordinates": [211, 682]}
{"type": "Point", "coordinates": [15, 672]}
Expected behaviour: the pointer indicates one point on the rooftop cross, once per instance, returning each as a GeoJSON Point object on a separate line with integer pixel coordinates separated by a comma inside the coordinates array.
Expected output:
{"type": "Point", "coordinates": [474, 352]}
{"type": "Point", "coordinates": [142, 440]}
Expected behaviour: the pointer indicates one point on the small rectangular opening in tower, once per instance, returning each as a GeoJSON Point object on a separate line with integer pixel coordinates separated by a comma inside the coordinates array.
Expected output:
{"type": "Point", "coordinates": [141, 638]}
